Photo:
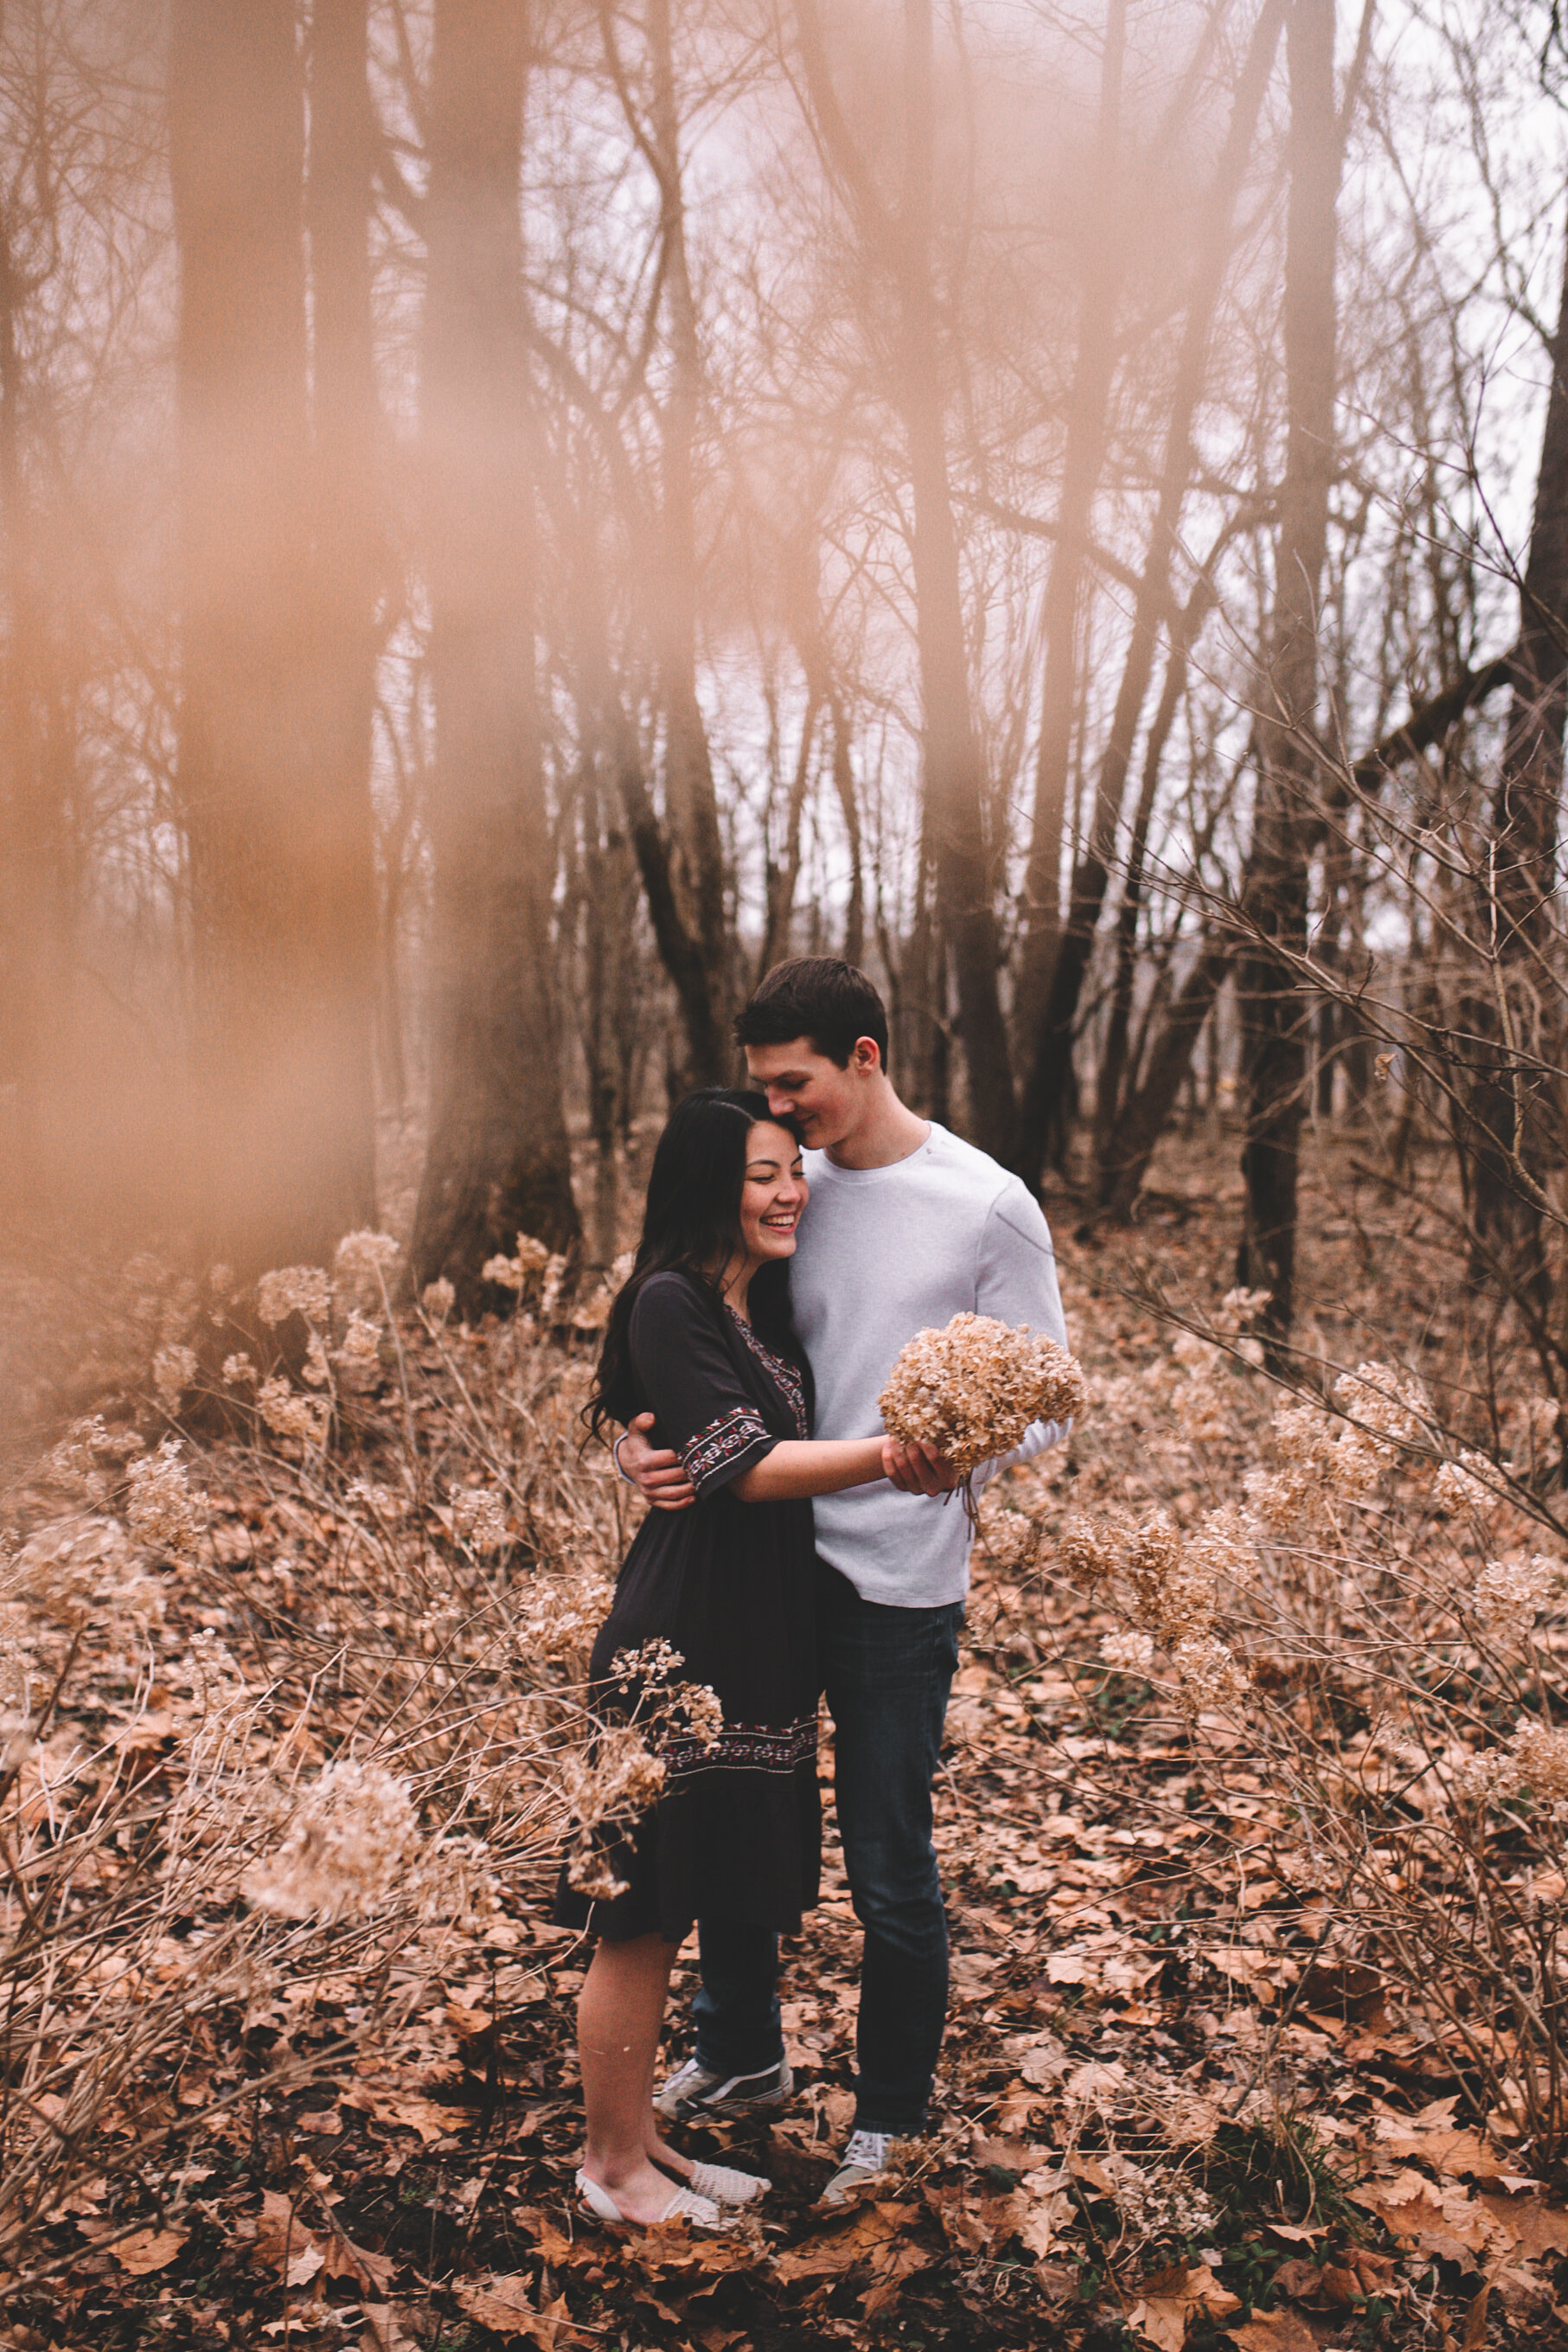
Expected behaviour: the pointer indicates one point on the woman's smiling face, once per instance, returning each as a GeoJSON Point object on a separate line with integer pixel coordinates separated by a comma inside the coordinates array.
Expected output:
{"type": "Point", "coordinates": [773, 1195]}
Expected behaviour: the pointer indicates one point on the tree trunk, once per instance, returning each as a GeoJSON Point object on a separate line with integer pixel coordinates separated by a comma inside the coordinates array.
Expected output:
{"type": "Point", "coordinates": [1510, 1133]}
{"type": "Point", "coordinates": [691, 799]}
{"type": "Point", "coordinates": [954, 796]}
{"type": "Point", "coordinates": [499, 1162]}
{"type": "Point", "coordinates": [279, 848]}
{"type": "Point", "coordinates": [1275, 1010]}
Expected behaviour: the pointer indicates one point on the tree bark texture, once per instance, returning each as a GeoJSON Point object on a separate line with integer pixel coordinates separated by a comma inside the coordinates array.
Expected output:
{"type": "Point", "coordinates": [955, 794]}
{"type": "Point", "coordinates": [1511, 1132]}
{"type": "Point", "coordinates": [1276, 1011]}
{"type": "Point", "coordinates": [498, 1162]}
{"type": "Point", "coordinates": [278, 830]}
{"type": "Point", "coordinates": [691, 801]}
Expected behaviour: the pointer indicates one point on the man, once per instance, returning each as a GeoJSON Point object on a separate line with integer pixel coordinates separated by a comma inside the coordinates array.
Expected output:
{"type": "Point", "coordinates": [907, 1226]}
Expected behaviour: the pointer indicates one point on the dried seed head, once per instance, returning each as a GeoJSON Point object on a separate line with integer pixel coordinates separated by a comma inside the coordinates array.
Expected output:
{"type": "Point", "coordinates": [161, 1512]}
{"type": "Point", "coordinates": [1470, 1483]}
{"type": "Point", "coordinates": [173, 1371]}
{"type": "Point", "coordinates": [438, 1298]}
{"type": "Point", "coordinates": [515, 1272]}
{"type": "Point", "coordinates": [1511, 1594]}
{"type": "Point", "coordinates": [1211, 1676]}
{"type": "Point", "coordinates": [363, 1253]}
{"type": "Point", "coordinates": [295, 1290]}
{"type": "Point", "coordinates": [350, 1842]}
{"type": "Point", "coordinates": [971, 1390]}
{"type": "Point", "coordinates": [479, 1517]}
{"type": "Point", "coordinates": [1127, 1653]}
{"type": "Point", "coordinates": [289, 1415]}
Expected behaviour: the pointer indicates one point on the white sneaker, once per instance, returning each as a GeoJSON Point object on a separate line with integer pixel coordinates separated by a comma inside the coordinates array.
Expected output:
{"type": "Point", "coordinates": [691, 2090]}
{"type": "Point", "coordinates": [866, 2159]}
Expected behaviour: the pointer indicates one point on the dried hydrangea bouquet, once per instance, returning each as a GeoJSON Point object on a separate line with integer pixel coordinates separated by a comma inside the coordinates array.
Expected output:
{"type": "Point", "coordinates": [972, 1389]}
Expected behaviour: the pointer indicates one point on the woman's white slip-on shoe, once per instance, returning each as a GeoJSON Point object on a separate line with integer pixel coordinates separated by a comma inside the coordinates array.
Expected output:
{"type": "Point", "coordinates": [702, 2213]}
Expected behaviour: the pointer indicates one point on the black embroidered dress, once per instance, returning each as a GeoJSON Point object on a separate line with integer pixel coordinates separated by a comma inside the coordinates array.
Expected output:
{"type": "Point", "coordinates": [736, 1832]}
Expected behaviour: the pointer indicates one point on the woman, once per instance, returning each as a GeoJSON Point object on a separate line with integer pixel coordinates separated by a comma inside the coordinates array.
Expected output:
{"type": "Point", "coordinates": [701, 1336]}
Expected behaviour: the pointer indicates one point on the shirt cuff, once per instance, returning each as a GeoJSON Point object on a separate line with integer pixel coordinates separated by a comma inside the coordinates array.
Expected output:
{"type": "Point", "coordinates": [1038, 1438]}
{"type": "Point", "coordinates": [719, 1452]}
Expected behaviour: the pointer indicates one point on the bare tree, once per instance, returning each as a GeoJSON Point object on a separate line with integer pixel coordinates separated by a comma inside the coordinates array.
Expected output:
{"type": "Point", "coordinates": [498, 1158]}
{"type": "Point", "coordinates": [279, 840]}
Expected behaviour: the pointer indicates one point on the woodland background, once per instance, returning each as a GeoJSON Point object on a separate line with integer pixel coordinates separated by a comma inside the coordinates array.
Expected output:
{"type": "Point", "coordinates": [515, 516]}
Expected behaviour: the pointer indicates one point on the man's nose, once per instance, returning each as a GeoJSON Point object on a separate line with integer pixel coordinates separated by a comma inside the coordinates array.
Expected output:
{"type": "Point", "coordinates": [778, 1103]}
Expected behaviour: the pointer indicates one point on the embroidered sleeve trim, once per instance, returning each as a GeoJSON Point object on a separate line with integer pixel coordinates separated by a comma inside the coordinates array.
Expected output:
{"type": "Point", "coordinates": [786, 1376]}
{"type": "Point", "coordinates": [743, 1747]}
{"type": "Point", "coordinates": [721, 1443]}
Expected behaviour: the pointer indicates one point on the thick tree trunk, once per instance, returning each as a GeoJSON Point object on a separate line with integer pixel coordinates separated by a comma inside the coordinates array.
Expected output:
{"type": "Point", "coordinates": [278, 845]}
{"type": "Point", "coordinates": [498, 1162]}
{"type": "Point", "coordinates": [33, 905]}
{"type": "Point", "coordinates": [1275, 1010]}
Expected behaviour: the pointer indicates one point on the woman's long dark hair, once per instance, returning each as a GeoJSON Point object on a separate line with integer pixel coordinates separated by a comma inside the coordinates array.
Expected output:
{"type": "Point", "coordinates": [691, 1225]}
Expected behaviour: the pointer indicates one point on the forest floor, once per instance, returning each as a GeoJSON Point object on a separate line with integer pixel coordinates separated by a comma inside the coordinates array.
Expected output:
{"type": "Point", "coordinates": [1164, 2116]}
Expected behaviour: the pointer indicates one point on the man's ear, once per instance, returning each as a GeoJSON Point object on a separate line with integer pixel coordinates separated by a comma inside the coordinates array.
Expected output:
{"type": "Point", "coordinates": [866, 1054]}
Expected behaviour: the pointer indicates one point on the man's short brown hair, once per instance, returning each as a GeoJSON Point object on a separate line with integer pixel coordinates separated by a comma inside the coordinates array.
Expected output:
{"type": "Point", "coordinates": [819, 997]}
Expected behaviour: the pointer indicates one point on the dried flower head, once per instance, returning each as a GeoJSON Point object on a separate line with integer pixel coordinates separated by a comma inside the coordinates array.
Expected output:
{"type": "Point", "coordinates": [15, 1663]}
{"type": "Point", "coordinates": [604, 1790]}
{"type": "Point", "coordinates": [316, 1371]}
{"type": "Point", "coordinates": [1010, 1539]}
{"type": "Point", "coordinates": [1390, 1406]}
{"type": "Point", "coordinates": [1211, 1674]}
{"type": "Point", "coordinates": [359, 1352]}
{"type": "Point", "coordinates": [364, 1254]}
{"type": "Point", "coordinates": [295, 1290]}
{"type": "Point", "coordinates": [438, 1298]}
{"type": "Point", "coordinates": [1536, 1759]}
{"type": "Point", "coordinates": [239, 1372]}
{"type": "Point", "coordinates": [515, 1272]}
{"type": "Point", "coordinates": [479, 1517]}
{"type": "Point", "coordinates": [381, 1501]}
{"type": "Point", "coordinates": [1511, 1593]}
{"type": "Point", "coordinates": [161, 1512]}
{"type": "Point", "coordinates": [349, 1844]}
{"type": "Point", "coordinates": [1090, 1551]}
{"type": "Point", "coordinates": [1127, 1653]}
{"type": "Point", "coordinates": [972, 1390]}
{"type": "Point", "coordinates": [289, 1415]}
{"type": "Point", "coordinates": [173, 1371]}
{"type": "Point", "coordinates": [1470, 1483]}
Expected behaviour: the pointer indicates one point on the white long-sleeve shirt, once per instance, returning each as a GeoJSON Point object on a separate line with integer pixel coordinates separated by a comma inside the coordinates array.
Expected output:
{"type": "Point", "coordinates": [886, 1253]}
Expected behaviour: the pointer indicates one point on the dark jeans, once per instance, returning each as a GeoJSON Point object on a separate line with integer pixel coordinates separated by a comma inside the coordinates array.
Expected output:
{"type": "Point", "coordinates": [887, 1673]}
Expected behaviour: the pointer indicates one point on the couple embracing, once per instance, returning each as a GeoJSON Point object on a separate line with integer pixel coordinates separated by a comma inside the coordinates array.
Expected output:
{"type": "Point", "coordinates": [795, 1238]}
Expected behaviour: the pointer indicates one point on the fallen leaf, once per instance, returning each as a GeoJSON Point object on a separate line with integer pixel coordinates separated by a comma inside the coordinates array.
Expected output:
{"type": "Point", "coordinates": [506, 2307]}
{"type": "Point", "coordinates": [1168, 2301]}
{"type": "Point", "coordinates": [148, 2250]}
{"type": "Point", "coordinates": [1273, 2331]}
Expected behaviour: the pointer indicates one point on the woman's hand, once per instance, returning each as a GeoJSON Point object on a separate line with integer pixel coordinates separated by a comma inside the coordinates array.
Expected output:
{"type": "Point", "coordinates": [916, 1469]}
{"type": "Point", "coordinates": [657, 1474]}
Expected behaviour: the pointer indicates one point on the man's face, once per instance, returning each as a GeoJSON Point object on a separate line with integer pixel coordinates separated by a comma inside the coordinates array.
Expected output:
{"type": "Point", "coordinates": [826, 1103]}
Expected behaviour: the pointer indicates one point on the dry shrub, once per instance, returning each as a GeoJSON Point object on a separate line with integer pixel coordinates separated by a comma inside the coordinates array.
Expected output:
{"type": "Point", "coordinates": [287, 1719]}
{"type": "Point", "coordinates": [1375, 1619]}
